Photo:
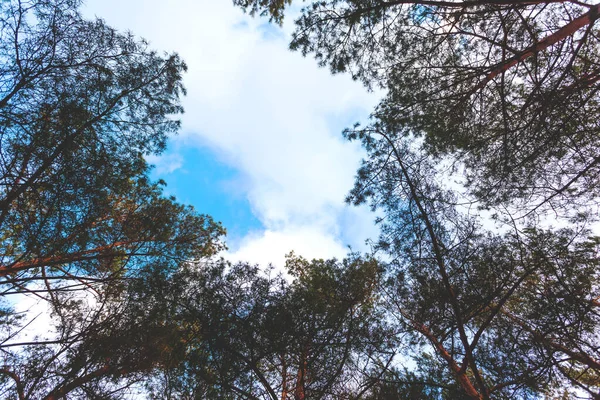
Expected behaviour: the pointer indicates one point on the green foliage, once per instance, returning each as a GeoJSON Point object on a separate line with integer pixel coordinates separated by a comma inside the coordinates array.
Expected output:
{"type": "Point", "coordinates": [272, 8]}
{"type": "Point", "coordinates": [517, 312]}
{"type": "Point", "coordinates": [502, 98]}
{"type": "Point", "coordinates": [80, 105]}
{"type": "Point", "coordinates": [506, 93]}
{"type": "Point", "coordinates": [253, 335]}
{"type": "Point", "coordinates": [430, 381]}
{"type": "Point", "coordinates": [510, 90]}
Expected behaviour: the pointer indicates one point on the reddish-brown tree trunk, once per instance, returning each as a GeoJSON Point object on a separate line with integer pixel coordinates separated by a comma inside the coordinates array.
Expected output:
{"type": "Point", "coordinates": [63, 259]}
{"type": "Point", "coordinates": [300, 393]}
{"type": "Point", "coordinates": [568, 30]}
{"type": "Point", "coordinates": [284, 383]}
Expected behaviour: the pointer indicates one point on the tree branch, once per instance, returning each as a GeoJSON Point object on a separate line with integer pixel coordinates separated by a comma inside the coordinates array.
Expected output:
{"type": "Point", "coordinates": [586, 19]}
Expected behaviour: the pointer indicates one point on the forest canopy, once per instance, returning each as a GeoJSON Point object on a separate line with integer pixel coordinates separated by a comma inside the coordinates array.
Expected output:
{"type": "Point", "coordinates": [501, 99]}
{"type": "Point", "coordinates": [481, 160]}
{"type": "Point", "coordinates": [508, 88]}
{"type": "Point", "coordinates": [80, 106]}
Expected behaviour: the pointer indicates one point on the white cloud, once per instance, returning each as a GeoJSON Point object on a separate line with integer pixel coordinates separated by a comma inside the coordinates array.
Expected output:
{"type": "Point", "coordinates": [270, 113]}
{"type": "Point", "coordinates": [165, 164]}
{"type": "Point", "coordinates": [271, 246]}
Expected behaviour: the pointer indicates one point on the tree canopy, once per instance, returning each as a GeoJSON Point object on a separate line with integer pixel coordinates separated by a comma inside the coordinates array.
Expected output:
{"type": "Point", "coordinates": [303, 339]}
{"type": "Point", "coordinates": [501, 96]}
{"type": "Point", "coordinates": [508, 315]}
{"type": "Point", "coordinates": [80, 105]}
{"type": "Point", "coordinates": [508, 88]}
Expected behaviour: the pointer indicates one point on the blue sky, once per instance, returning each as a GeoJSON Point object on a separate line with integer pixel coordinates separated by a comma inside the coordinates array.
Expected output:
{"type": "Point", "coordinates": [195, 175]}
{"type": "Point", "coordinates": [260, 147]}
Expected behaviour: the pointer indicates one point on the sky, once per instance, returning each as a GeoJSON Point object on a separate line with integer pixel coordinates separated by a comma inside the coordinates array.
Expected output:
{"type": "Point", "coordinates": [260, 147]}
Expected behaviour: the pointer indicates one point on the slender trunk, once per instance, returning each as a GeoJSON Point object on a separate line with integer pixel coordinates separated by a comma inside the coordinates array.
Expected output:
{"type": "Point", "coordinates": [437, 247]}
{"type": "Point", "coordinates": [300, 393]}
{"type": "Point", "coordinates": [284, 383]}
{"type": "Point", "coordinates": [458, 372]}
